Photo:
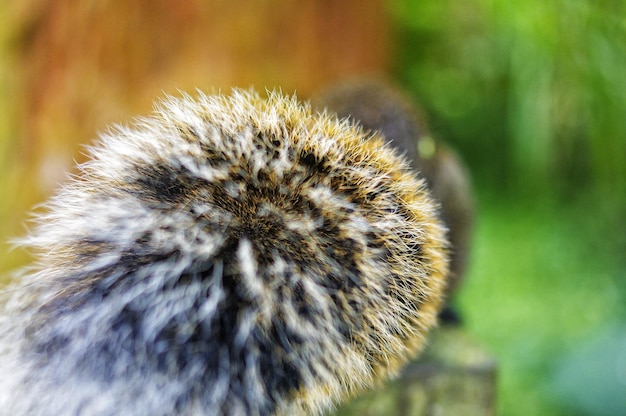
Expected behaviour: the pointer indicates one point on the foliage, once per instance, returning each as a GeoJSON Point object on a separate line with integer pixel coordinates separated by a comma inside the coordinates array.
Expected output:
{"type": "Point", "coordinates": [545, 281]}
{"type": "Point", "coordinates": [533, 94]}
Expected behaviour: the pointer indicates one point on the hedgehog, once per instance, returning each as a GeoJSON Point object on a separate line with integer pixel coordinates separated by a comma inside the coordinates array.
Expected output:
{"type": "Point", "coordinates": [230, 254]}
{"type": "Point", "coordinates": [380, 106]}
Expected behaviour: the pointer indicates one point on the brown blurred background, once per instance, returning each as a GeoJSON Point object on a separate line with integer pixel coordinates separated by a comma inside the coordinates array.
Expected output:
{"type": "Point", "coordinates": [71, 68]}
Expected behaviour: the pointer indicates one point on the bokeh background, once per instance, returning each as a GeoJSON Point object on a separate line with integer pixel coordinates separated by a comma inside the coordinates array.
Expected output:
{"type": "Point", "coordinates": [531, 93]}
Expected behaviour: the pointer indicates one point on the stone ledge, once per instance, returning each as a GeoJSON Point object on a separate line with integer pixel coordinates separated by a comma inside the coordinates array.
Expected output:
{"type": "Point", "coordinates": [453, 377]}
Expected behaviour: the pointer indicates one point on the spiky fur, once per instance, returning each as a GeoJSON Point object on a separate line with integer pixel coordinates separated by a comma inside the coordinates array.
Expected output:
{"type": "Point", "coordinates": [380, 106]}
{"type": "Point", "coordinates": [227, 255]}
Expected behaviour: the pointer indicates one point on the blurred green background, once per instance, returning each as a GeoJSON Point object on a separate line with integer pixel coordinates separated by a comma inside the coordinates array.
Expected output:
{"type": "Point", "coordinates": [533, 94]}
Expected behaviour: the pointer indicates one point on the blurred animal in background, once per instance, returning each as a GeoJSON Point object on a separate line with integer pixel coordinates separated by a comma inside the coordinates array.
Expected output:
{"type": "Point", "coordinates": [381, 107]}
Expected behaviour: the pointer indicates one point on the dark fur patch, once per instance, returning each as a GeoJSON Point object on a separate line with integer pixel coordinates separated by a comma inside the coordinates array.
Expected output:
{"type": "Point", "coordinates": [164, 184]}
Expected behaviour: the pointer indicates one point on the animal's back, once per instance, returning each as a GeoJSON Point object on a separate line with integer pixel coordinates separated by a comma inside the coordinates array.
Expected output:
{"type": "Point", "coordinates": [228, 255]}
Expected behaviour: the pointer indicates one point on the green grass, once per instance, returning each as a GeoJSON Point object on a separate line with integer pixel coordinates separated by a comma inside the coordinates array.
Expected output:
{"type": "Point", "coordinates": [545, 279]}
